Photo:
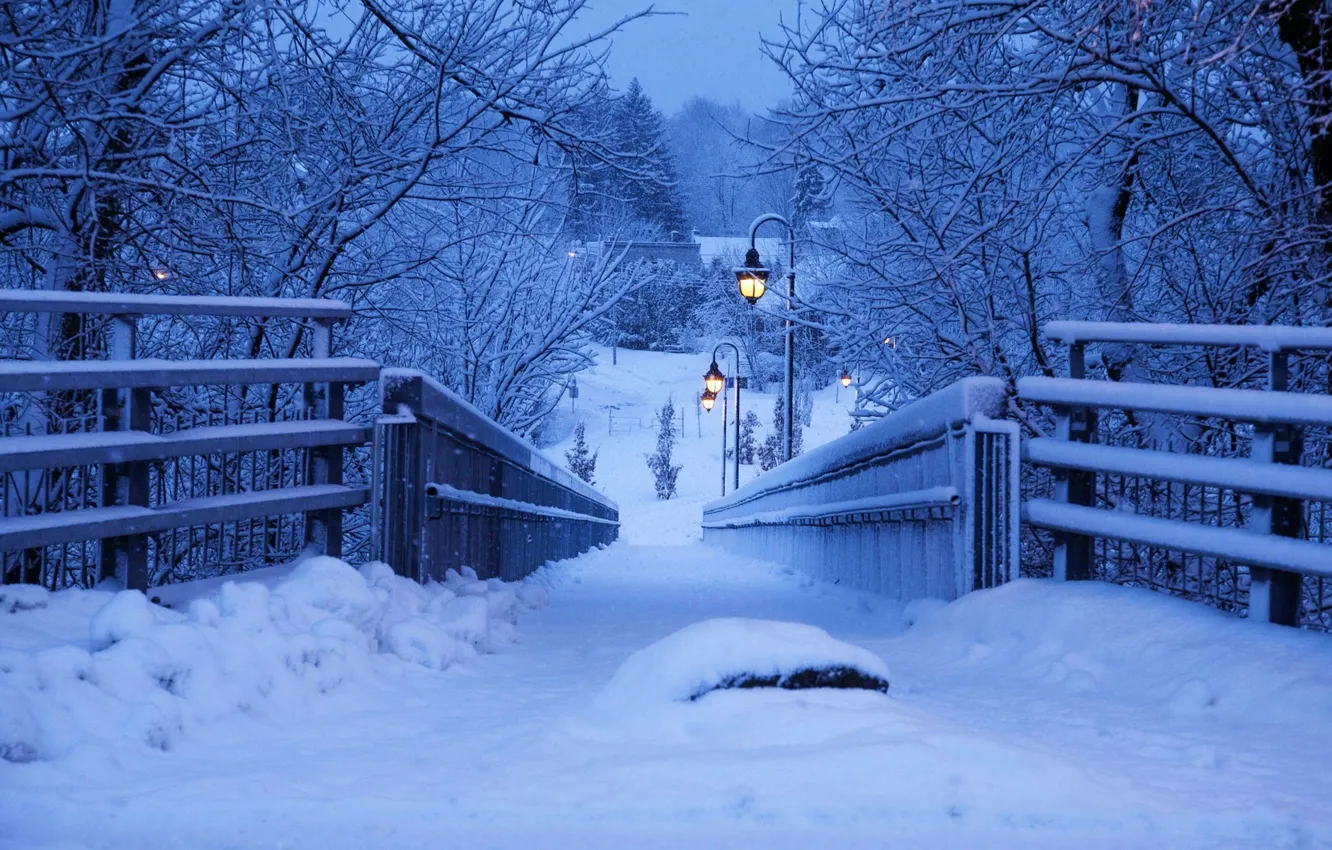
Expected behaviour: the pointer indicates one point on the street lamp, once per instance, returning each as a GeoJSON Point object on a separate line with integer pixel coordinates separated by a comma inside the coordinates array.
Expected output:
{"type": "Point", "coordinates": [708, 400]}
{"type": "Point", "coordinates": [846, 378]}
{"type": "Point", "coordinates": [715, 382]}
{"type": "Point", "coordinates": [752, 278]}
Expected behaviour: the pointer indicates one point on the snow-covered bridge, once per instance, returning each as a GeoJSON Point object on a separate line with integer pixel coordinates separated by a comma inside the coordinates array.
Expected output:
{"type": "Point", "coordinates": [323, 706]}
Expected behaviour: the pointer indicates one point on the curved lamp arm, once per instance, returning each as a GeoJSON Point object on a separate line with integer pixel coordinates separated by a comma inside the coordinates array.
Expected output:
{"type": "Point", "coordinates": [764, 219]}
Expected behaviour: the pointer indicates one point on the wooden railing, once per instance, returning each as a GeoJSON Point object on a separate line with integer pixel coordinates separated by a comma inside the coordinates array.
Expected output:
{"type": "Point", "coordinates": [137, 489]}
{"type": "Point", "coordinates": [923, 502]}
{"type": "Point", "coordinates": [1255, 528]}
{"type": "Point", "coordinates": [455, 489]}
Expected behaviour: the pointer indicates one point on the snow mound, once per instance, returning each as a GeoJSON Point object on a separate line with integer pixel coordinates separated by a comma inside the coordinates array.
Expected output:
{"type": "Point", "coordinates": [737, 653]}
{"type": "Point", "coordinates": [1099, 641]}
{"type": "Point", "coordinates": [124, 671]}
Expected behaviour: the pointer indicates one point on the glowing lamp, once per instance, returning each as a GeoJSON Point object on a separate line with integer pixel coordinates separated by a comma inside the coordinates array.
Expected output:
{"type": "Point", "coordinates": [714, 380]}
{"type": "Point", "coordinates": [752, 277]}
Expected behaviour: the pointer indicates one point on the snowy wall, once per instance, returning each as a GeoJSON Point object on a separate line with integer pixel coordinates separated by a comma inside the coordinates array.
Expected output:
{"type": "Point", "coordinates": [921, 503]}
{"type": "Point", "coordinates": [454, 490]}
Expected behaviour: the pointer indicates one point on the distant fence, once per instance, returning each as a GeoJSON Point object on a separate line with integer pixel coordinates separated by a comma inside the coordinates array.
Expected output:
{"type": "Point", "coordinates": [923, 502]}
{"type": "Point", "coordinates": [1190, 513]}
{"type": "Point", "coordinates": [156, 470]}
{"type": "Point", "coordinates": [454, 488]}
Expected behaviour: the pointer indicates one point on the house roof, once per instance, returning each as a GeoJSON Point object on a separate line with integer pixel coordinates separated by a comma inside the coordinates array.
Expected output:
{"type": "Point", "coordinates": [730, 250]}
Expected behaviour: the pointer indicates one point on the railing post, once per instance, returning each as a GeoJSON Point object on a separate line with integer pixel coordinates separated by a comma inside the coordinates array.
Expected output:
{"type": "Point", "coordinates": [125, 558]}
{"type": "Point", "coordinates": [1072, 556]}
{"type": "Point", "coordinates": [323, 529]}
{"type": "Point", "coordinates": [1274, 595]}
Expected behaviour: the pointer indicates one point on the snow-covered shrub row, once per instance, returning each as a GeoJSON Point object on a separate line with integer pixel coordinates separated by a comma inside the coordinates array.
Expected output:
{"type": "Point", "coordinates": [86, 666]}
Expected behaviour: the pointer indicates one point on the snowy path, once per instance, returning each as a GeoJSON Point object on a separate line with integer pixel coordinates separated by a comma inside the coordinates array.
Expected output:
{"type": "Point", "coordinates": [1010, 723]}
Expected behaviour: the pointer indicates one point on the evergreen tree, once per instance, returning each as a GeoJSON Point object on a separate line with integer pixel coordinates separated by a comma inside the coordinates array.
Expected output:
{"type": "Point", "coordinates": [811, 195]}
{"type": "Point", "coordinates": [748, 443]}
{"type": "Point", "coordinates": [650, 186]}
{"type": "Point", "coordinates": [770, 452]}
{"type": "Point", "coordinates": [664, 472]}
{"type": "Point", "coordinates": [593, 169]}
{"type": "Point", "coordinates": [623, 180]}
{"type": "Point", "coordinates": [581, 463]}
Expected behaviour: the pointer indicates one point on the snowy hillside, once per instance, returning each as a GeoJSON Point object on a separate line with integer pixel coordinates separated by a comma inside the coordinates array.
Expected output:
{"type": "Point", "coordinates": [628, 396]}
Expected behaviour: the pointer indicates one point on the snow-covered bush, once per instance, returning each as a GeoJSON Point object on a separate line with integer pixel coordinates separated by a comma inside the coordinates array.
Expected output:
{"type": "Point", "coordinates": [664, 471]}
{"type": "Point", "coordinates": [581, 462]}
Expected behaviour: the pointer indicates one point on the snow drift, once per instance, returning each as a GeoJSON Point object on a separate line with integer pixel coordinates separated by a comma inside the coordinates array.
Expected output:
{"type": "Point", "coordinates": [80, 667]}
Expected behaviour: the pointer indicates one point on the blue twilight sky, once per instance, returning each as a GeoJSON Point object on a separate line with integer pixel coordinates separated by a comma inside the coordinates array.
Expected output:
{"type": "Point", "coordinates": [711, 49]}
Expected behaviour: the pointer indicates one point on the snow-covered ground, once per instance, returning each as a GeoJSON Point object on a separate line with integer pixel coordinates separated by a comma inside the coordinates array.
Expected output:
{"type": "Point", "coordinates": [1034, 715]}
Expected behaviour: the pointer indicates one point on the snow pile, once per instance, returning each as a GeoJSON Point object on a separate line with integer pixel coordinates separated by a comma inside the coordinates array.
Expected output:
{"type": "Point", "coordinates": [722, 653]}
{"type": "Point", "coordinates": [1096, 641]}
{"type": "Point", "coordinates": [85, 666]}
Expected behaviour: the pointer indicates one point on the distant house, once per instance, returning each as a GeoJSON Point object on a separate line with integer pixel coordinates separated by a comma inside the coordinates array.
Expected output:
{"type": "Point", "coordinates": [680, 251]}
{"type": "Point", "coordinates": [696, 251]}
{"type": "Point", "coordinates": [730, 250]}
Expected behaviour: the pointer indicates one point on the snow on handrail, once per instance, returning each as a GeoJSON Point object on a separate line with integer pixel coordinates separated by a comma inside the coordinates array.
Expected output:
{"type": "Point", "coordinates": [930, 497]}
{"type": "Point", "coordinates": [920, 420]}
{"type": "Point", "coordinates": [50, 529]}
{"type": "Point", "coordinates": [1266, 337]}
{"type": "Point", "coordinates": [1231, 544]}
{"type": "Point", "coordinates": [450, 493]}
{"type": "Point", "coordinates": [54, 375]}
{"type": "Point", "coordinates": [1245, 476]}
{"type": "Point", "coordinates": [51, 451]}
{"type": "Point", "coordinates": [124, 303]}
{"type": "Point", "coordinates": [1259, 406]}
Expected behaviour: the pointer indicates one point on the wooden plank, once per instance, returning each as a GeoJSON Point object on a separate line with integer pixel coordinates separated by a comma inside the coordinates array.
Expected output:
{"type": "Point", "coordinates": [1246, 476]}
{"type": "Point", "coordinates": [123, 303]}
{"type": "Point", "coordinates": [1238, 405]}
{"type": "Point", "coordinates": [39, 376]}
{"type": "Point", "coordinates": [59, 450]}
{"type": "Point", "coordinates": [1230, 544]}
{"type": "Point", "coordinates": [100, 523]}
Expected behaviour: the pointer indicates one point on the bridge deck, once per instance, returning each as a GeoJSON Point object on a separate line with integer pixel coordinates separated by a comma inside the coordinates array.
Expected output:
{"type": "Point", "coordinates": [1035, 715]}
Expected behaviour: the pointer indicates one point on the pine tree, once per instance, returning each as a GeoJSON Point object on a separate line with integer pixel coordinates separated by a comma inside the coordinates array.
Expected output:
{"type": "Point", "coordinates": [811, 195]}
{"type": "Point", "coordinates": [649, 187]}
{"type": "Point", "coordinates": [664, 472]}
{"type": "Point", "coordinates": [581, 463]}
{"type": "Point", "coordinates": [748, 443]}
{"type": "Point", "coordinates": [770, 452]}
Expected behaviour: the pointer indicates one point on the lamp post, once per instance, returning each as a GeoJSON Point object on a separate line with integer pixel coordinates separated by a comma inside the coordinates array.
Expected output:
{"type": "Point", "coordinates": [715, 382]}
{"type": "Point", "coordinates": [752, 278]}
